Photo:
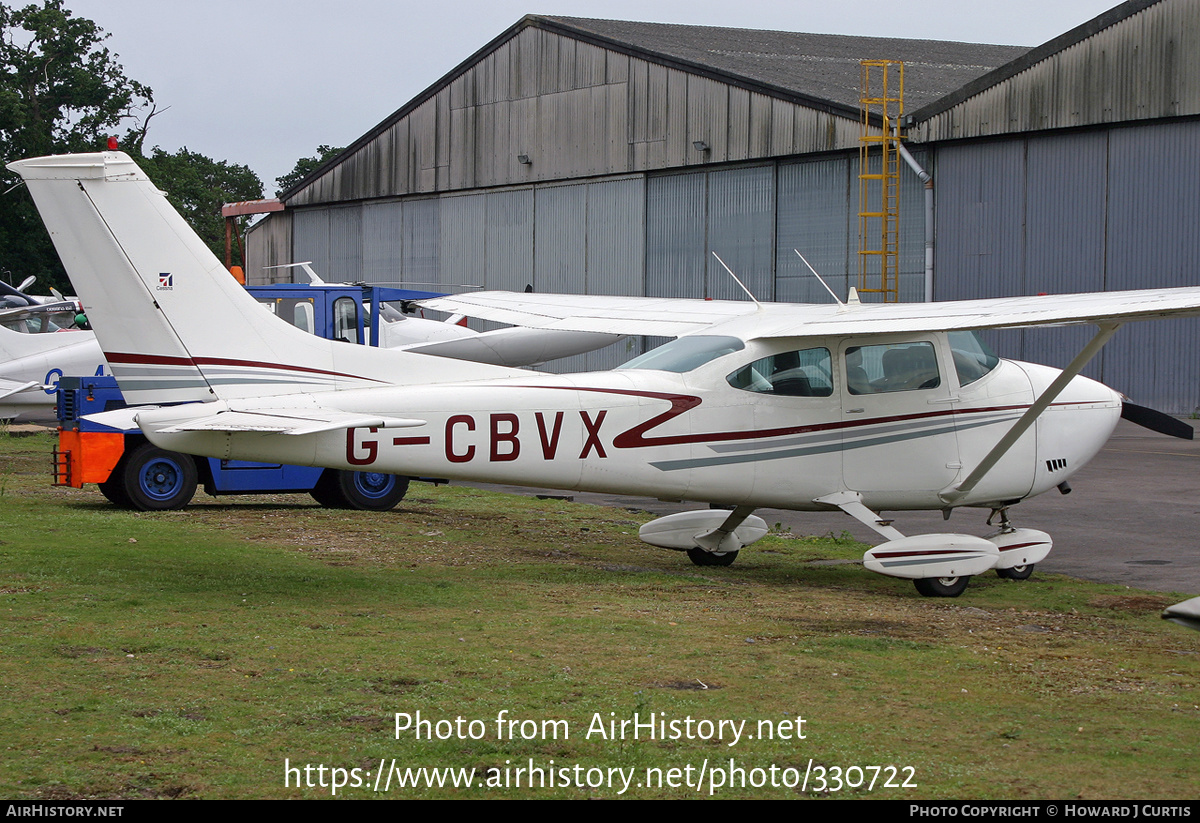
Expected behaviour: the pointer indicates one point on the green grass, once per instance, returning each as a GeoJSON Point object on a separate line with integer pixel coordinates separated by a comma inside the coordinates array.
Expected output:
{"type": "Point", "coordinates": [189, 654]}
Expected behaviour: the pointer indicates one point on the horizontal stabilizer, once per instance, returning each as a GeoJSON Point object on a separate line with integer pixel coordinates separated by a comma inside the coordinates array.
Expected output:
{"type": "Point", "coordinates": [286, 421]}
{"type": "Point", "coordinates": [10, 387]}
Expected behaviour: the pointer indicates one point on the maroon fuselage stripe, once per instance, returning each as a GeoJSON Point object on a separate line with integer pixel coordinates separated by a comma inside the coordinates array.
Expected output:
{"type": "Point", "coordinates": [636, 437]}
{"type": "Point", "coordinates": [164, 360]}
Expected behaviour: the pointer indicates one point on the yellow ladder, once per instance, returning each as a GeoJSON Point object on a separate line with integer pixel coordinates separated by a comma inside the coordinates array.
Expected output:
{"type": "Point", "coordinates": [881, 100]}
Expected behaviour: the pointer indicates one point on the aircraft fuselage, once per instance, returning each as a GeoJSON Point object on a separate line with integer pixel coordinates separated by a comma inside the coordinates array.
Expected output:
{"type": "Point", "coordinates": [712, 434]}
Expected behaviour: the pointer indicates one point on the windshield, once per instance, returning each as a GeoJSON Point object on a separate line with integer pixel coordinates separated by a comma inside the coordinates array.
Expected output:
{"type": "Point", "coordinates": [41, 323]}
{"type": "Point", "coordinates": [973, 358]}
{"type": "Point", "coordinates": [686, 353]}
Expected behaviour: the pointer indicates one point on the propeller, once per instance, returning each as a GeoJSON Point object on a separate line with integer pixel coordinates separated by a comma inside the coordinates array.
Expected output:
{"type": "Point", "coordinates": [1156, 421]}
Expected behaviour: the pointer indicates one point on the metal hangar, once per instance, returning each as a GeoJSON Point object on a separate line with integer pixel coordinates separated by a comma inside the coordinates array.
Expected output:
{"type": "Point", "coordinates": [611, 157]}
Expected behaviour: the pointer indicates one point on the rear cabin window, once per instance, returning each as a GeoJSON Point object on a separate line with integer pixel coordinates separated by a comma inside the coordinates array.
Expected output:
{"type": "Point", "coordinates": [803, 373]}
{"type": "Point", "coordinates": [891, 368]}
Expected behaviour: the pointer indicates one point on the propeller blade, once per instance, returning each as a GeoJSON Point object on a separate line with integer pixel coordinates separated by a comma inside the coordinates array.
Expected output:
{"type": "Point", "coordinates": [1156, 421]}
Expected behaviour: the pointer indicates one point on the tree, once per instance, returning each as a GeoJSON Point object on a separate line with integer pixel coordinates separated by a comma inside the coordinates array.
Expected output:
{"type": "Point", "coordinates": [197, 186]}
{"type": "Point", "coordinates": [60, 91]}
{"type": "Point", "coordinates": [306, 166]}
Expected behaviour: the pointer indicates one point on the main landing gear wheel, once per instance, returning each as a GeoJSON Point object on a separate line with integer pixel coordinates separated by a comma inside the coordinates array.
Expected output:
{"type": "Point", "coordinates": [367, 491]}
{"type": "Point", "coordinates": [1016, 572]}
{"type": "Point", "coordinates": [154, 480]}
{"type": "Point", "coordinates": [702, 558]}
{"type": "Point", "coordinates": [942, 586]}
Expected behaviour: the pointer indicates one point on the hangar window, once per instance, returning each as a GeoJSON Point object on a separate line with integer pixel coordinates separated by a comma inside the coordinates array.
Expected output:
{"type": "Point", "coordinates": [890, 368]}
{"type": "Point", "coordinates": [686, 353]}
{"type": "Point", "coordinates": [803, 373]}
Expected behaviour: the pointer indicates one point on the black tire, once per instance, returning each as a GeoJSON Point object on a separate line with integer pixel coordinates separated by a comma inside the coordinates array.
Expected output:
{"type": "Point", "coordinates": [702, 558]}
{"type": "Point", "coordinates": [114, 488]}
{"type": "Point", "coordinates": [156, 480]}
{"type": "Point", "coordinates": [326, 493]}
{"type": "Point", "coordinates": [366, 491]}
{"type": "Point", "coordinates": [942, 586]}
{"type": "Point", "coordinates": [1016, 572]}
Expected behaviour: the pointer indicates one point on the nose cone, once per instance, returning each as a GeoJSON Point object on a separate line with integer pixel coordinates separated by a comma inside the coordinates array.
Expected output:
{"type": "Point", "coordinates": [1074, 428]}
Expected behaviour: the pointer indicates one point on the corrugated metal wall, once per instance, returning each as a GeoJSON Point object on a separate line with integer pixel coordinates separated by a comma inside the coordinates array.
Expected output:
{"type": "Point", "coordinates": [1053, 212]}
{"type": "Point", "coordinates": [1145, 66]}
{"type": "Point", "coordinates": [269, 243]}
{"type": "Point", "coordinates": [1108, 209]}
{"type": "Point", "coordinates": [575, 110]}
{"type": "Point", "coordinates": [756, 217]}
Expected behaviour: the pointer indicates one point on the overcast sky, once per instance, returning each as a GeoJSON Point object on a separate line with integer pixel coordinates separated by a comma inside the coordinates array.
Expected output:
{"type": "Point", "coordinates": [264, 82]}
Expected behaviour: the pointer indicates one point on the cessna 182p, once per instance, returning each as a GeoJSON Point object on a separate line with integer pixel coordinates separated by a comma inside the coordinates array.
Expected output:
{"type": "Point", "coordinates": [856, 407]}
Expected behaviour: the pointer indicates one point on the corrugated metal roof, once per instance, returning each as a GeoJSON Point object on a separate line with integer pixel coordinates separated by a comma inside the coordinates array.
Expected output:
{"type": "Point", "coordinates": [1030, 57]}
{"type": "Point", "coordinates": [818, 67]}
{"type": "Point", "coordinates": [819, 71]}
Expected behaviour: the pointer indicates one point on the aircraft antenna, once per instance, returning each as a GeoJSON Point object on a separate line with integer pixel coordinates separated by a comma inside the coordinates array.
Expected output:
{"type": "Point", "coordinates": [736, 280]}
{"type": "Point", "coordinates": [819, 277]}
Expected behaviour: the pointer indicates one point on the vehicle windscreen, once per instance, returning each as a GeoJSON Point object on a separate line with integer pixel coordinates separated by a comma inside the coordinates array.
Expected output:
{"type": "Point", "coordinates": [686, 353]}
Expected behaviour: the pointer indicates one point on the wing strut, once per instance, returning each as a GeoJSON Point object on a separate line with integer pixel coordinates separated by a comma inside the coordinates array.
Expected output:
{"type": "Point", "coordinates": [1106, 331]}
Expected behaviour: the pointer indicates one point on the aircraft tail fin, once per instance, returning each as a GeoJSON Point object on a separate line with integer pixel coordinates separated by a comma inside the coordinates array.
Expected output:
{"type": "Point", "coordinates": [173, 323]}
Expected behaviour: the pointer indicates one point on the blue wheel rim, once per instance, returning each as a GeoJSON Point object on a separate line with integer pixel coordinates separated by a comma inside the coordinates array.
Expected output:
{"type": "Point", "coordinates": [374, 485]}
{"type": "Point", "coordinates": [161, 478]}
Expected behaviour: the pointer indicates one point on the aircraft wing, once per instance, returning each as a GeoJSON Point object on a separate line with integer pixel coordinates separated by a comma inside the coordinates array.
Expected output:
{"type": "Point", "coordinates": [989, 313]}
{"type": "Point", "coordinates": [664, 316]}
{"type": "Point", "coordinates": [672, 317]}
{"type": "Point", "coordinates": [23, 312]}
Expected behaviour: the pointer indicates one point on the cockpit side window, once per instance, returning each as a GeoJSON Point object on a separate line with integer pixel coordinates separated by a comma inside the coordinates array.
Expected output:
{"type": "Point", "coordinates": [891, 368]}
{"type": "Point", "coordinates": [803, 373]}
{"type": "Point", "coordinates": [973, 358]}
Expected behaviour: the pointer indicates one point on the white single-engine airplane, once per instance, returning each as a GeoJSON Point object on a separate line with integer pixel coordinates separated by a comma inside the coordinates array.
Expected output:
{"type": "Point", "coordinates": [856, 407]}
{"type": "Point", "coordinates": [39, 343]}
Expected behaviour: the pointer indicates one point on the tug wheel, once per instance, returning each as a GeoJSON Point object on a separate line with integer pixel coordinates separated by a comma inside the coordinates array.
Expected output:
{"type": "Point", "coordinates": [154, 480]}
